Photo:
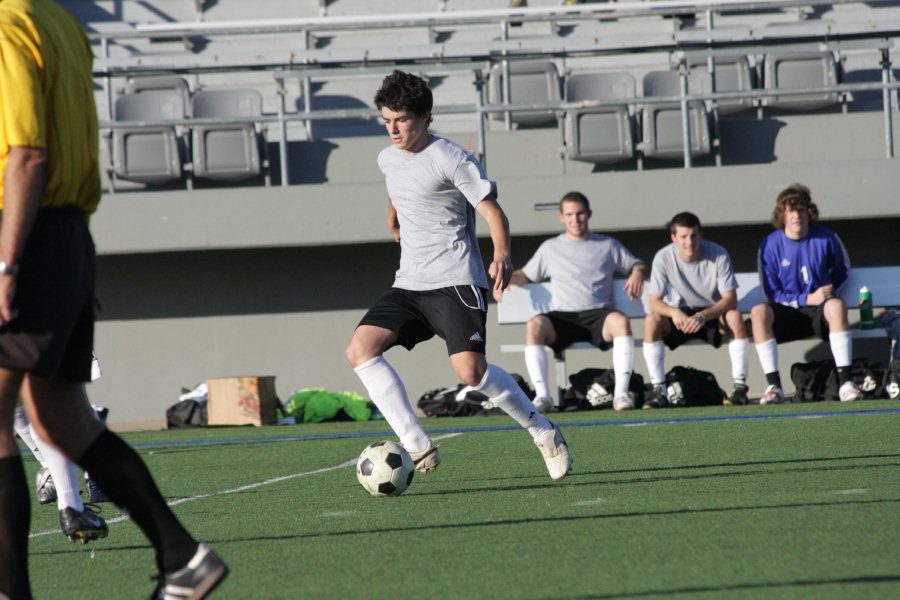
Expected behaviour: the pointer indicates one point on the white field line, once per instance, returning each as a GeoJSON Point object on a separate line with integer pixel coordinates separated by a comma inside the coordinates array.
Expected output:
{"type": "Point", "coordinates": [242, 488]}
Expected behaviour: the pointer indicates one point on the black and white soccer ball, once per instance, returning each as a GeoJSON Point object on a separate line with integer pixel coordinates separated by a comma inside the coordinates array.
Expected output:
{"type": "Point", "coordinates": [385, 469]}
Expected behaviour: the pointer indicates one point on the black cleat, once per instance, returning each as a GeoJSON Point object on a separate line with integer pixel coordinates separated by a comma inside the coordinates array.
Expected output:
{"type": "Point", "coordinates": [82, 526]}
{"type": "Point", "coordinates": [195, 581]}
{"type": "Point", "coordinates": [656, 398]}
{"type": "Point", "coordinates": [738, 396]}
{"type": "Point", "coordinates": [94, 493]}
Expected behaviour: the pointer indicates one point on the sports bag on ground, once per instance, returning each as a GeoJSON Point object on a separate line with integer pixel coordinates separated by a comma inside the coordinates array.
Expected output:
{"type": "Point", "coordinates": [593, 388]}
{"type": "Point", "coordinates": [687, 386]}
{"type": "Point", "coordinates": [817, 380]}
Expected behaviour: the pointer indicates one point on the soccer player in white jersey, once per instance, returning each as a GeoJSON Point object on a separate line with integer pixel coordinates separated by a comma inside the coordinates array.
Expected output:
{"type": "Point", "coordinates": [692, 295]}
{"type": "Point", "coordinates": [435, 188]}
{"type": "Point", "coordinates": [580, 265]}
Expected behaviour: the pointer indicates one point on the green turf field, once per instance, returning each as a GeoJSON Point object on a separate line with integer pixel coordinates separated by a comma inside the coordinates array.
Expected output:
{"type": "Point", "coordinates": [678, 506]}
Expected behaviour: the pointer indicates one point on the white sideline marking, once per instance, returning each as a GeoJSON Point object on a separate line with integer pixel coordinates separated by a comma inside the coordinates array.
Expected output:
{"type": "Point", "coordinates": [851, 491]}
{"type": "Point", "coordinates": [593, 502]}
{"type": "Point", "coordinates": [242, 488]}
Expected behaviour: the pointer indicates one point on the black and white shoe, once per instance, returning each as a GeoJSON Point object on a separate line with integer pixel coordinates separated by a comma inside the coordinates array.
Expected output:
{"type": "Point", "coordinates": [738, 395]}
{"type": "Point", "coordinates": [196, 580]}
{"type": "Point", "coordinates": [82, 526]}
{"type": "Point", "coordinates": [44, 488]}
{"type": "Point", "coordinates": [656, 398]}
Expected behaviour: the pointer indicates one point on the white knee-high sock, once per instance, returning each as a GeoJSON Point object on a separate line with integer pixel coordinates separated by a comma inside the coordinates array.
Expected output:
{"type": "Point", "coordinates": [739, 351]}
{"type": "Point", "coordinates": [768, 355]}
{"type": "Point", "coordinates": [655, 357]}
{"type": "Point", "coordinates": [841, 348]}
{"type": "Point", "coordinates": [623, 363]}
{"type": "Point", "coordinates": [503, 391]}
{"type": "Point", "coordinates": [65, 478]}
{"type": "Point", "coordinates": [389, 394]}
{"type": "Point", "coordinates": [536, 363]}
{"type": "Point", "coordinates": [23, 429]}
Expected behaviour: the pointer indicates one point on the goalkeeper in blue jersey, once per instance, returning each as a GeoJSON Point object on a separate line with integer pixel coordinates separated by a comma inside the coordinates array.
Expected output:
{"type": "Point", "coordinates": [802, 266]}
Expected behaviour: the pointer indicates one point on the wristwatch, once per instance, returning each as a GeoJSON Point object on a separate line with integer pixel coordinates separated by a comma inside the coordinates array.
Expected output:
{"type": "Point", "coordinates": [8, 269]}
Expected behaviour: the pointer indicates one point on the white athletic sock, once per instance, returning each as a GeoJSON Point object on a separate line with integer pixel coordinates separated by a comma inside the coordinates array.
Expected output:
{"type": "Point", "coordinates": [623, 363]}
{"type": "Point", "coordinates": [536, 363]}
{"type": "Point", "coordinates": [503, 391]}
{"type": "Point", "coordinates": [655, 357]}
{"type": "Point", "coordinates": [23, 429]}
{"type": "Point", "coordinates": [739, 350]}
{"type": "Point", "coordinates": [389, 394]}
{"type": "Point", "coordinates": [65, 478]}
{"type": "Point", "coordinates": [841, 348]}
{"type": "Point", "coordinates": [768, 355]}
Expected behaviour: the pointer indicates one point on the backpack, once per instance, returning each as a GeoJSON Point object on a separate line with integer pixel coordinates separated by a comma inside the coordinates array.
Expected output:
{"type": "Point", "coordinates": [463, 401]}
{"type": "Point", "coordinates": [818, 380]}
{"type": "Point", "coordinates": [186, 413]}
{"type": "Point", "coordinates": [687, 386]}
{"type": "Point", "coordinates": [593, 388]}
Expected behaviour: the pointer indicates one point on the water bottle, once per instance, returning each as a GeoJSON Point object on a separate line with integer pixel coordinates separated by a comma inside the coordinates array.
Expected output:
{"type": "Point", "coordinates": [866, 318]}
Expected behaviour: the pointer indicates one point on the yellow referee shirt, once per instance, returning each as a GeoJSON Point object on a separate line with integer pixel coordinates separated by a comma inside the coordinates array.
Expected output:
{"type": "Point", "coordinates": [47, 101]}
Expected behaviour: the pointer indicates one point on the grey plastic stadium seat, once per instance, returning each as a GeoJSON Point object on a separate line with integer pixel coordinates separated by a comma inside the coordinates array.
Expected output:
{"type": "Point", "coordinates": [153, 153]}
{"type": "Point", "coordinates": [600, 134]}
{"type": "Point", "coordinates": [136, 85]}
{"type": "Point", "coordinates": [814, 70]}
{"type": "Point", "coordinates": [230, 151]}
{"type": "Point", "coordinates": [529, 82]}
{"type": "Point", "coordinates": [733, 74]}
{"type": "Point", "coordinates": [661, 123]}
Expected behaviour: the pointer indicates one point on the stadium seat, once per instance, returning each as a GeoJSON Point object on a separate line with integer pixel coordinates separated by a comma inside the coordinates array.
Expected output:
{"type": "Point", "coordinates": [228, 151]}
{"type": "Point", "coordinates": [733, 74]}
{"type": "Point", "coordinates": [813, 70]}
{"type": "Point", "coordinates": [136, 85]}
{"type": "Point", "coordinates": [661, 123]}
{"type": "Point", "coordinates": [529, 82]}
{"type": "Point", "coordinates": [600, 134]}
{"type": "Point", "coordinates": [153, 153]}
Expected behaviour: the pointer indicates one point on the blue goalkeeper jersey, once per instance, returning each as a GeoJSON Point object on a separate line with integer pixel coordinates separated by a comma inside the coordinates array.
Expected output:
{"type": "Point", "coordinates": [789, 269]}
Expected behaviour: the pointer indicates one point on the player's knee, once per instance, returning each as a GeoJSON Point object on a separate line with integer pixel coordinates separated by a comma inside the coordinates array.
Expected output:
{"type": "Point", "coordinates": [735, 321]}
{"type": "Point", "coordinates": [470, 375]}
{"type": "Point", "coordinates": [356, 354]}
{"type": "Point", "coordinates": [539, 330]}
{"type": "Point", "coordinates": [761, 313]}
{"type": "Point", "coordinates": [618, 324]}
{"type": "Point", "coordinates": [653, 328]}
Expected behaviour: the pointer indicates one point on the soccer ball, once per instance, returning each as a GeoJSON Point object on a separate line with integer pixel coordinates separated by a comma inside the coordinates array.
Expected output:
{"type": "Point", "coordinates": [385, 469]}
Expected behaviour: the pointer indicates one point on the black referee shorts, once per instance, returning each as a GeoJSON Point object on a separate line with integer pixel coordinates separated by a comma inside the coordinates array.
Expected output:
{"type": "Point", "coordinates": [52, 334]}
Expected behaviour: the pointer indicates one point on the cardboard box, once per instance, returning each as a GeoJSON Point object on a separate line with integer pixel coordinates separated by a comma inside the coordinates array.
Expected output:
{"type": "Point", "coordinates": [242, 401]}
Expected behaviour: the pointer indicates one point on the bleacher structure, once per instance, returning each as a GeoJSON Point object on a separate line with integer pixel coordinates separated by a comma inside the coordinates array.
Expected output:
{"type": "Point", "coordinates": [248, 128]}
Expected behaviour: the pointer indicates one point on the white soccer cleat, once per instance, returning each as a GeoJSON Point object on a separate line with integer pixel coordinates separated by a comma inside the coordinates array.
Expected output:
{"type": "Point", "coordinates": [555, 451]}
{"type": "Point", "coordinates": [543, 404]}
{"type": "Point", "coordinates": [428, 459]}
{"type": "Point", "coordinates": [772, 395]}
{"type": "Point", "coordinates": [625, 402]}
{"type": "Point", "coordinates": [849, 392]}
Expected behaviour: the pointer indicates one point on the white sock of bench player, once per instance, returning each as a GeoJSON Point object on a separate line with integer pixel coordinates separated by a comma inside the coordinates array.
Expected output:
{"type": "Point", "coordinates": [536, 363]}
{"type": "Point", "coordinates": [623, 363]}
{"type": "Point", "coordinates": [503, 391]}
{"type": "Point", "coordinates": [23, 429]}
{"type": "Point", "coordinates": [739, 351]}
{"type": "Point", "coordinates": [655, 357]}
{"type": "Point", "coordinates": [841, 348]}
{"type": "Point", "coordinates": [768, 355]}
{"type": "Point", "coordinates": [389, 394]}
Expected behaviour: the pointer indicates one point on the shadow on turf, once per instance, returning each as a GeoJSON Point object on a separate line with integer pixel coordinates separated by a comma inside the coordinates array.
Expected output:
{"type": "Point", "coordinates": [576, 479]}
{"type": "Point", "coordinates": [867, 580]}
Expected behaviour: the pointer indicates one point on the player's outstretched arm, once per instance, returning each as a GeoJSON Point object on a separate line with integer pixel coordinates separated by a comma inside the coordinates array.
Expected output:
{"type": "Point", "coordinates": [500, 268]}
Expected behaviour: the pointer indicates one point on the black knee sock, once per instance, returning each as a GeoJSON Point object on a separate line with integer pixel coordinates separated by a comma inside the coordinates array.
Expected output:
{"type": "Point", "coordinates": [773, 378]}
{"type": "Point", "coordinates": [121, 473]}
{"type": "Point", "coordinates": [15, 520]}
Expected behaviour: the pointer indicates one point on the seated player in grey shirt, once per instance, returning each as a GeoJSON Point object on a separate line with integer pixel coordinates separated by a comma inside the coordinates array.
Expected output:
{"type": "Point", "coordinates": [693, 294]}
{"type": "Point", "coordinates": [580, 265]}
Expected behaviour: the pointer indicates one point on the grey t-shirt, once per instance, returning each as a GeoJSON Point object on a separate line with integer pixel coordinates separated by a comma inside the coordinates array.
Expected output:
{"type": "Point", "coordinates": [695, 284]}
{"type": "Point", "coordinates": [580, 271]}
{"type": "Point", "coordinates": [435, 192]}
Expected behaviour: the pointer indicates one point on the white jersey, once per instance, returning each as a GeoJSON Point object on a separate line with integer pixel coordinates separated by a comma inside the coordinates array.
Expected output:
{"type": "Point", "coordinates": [696, 284]}
{"type": "Point", "coordinates": [580, 271]}
{"type": "Point", "coordinates": [435, 192]}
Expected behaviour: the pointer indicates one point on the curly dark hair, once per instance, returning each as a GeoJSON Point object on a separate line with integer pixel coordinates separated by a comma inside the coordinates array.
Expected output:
{"type": "Point", "coordinates": [793, 197]}
{"type": "Point", "coordinates": [405, 91]}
